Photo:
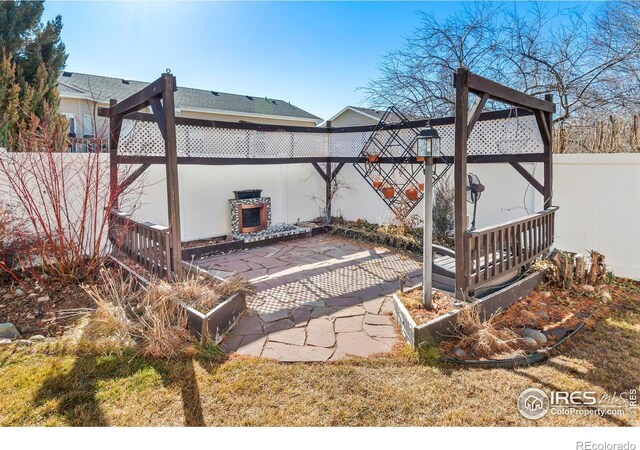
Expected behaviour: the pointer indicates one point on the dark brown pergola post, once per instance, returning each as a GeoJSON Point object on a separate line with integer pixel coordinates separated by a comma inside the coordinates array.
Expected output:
{"type": "Point", "coordinates": [328, 194]}
{"type": "Point", "coordinates": [460, 178]}
{"type": "Point", "coordinates": [548, 157]}
{"type": "Point", "coordinates": [171, 154]}
{"type": "Point", "coordinates": [115, 125]}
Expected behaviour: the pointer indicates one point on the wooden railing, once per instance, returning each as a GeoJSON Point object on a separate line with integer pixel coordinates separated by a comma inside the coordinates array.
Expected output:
{"type": "Point", "coordinates": [494, 251]}
{"type": "Point", "coordinates": [87, 145]}
{"type": "Point", "coordinates": [146, 243]}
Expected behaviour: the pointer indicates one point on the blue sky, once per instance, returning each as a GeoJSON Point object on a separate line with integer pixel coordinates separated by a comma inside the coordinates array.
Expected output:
{"type": "Point", "coordinates": [314, 55]}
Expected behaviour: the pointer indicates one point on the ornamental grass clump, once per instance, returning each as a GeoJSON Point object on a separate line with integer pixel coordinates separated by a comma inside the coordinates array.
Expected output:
{"type": "Point", "coordinates": [484, 339]}
{"type": "Point", "coordinates": [152, 318]}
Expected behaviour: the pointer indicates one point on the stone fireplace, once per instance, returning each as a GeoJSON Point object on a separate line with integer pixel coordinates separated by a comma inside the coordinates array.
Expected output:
{"type": "Point", "coordinates": [250, 215]}
{"type": "Point", "coordinates": [251, 218]}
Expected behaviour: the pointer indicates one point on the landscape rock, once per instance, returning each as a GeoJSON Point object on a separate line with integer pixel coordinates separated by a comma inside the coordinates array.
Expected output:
{"type": "Point", "coordinates": [546, 294]}
{"type": "Point", "coordinates": [5, 341]}
{"type": "Point", "coordinates": [37, 338]}
{"type": "Point", "coordinates": [33, 295]}
{"type": "Point", "coordinates": [588, 288]}
{"type": "Point", "coordinates": [18, 292]}
{"type": "Point", "coordinates": [534, 334]}
{"type": "Point", "coordinates": [8, 331]}
{"type": "Point", "coordinates": [24, 342]}
{"type": "Point", "coordinates": [459, 353]}
{"type": "Point", "coordinates": [44, 298]}
{"type": "Point", "coordinates": [559, 332]}
{"type": "Point", "coordinates": [529, 341]}
{"type": "Point", "coordinates": [542, 314]}
{"type": "Point", "coordinates": [605, 297]}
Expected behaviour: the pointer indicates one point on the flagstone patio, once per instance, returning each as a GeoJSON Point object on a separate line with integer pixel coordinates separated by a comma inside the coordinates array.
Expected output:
{"type": "Point", "coordinates": [321, 298]}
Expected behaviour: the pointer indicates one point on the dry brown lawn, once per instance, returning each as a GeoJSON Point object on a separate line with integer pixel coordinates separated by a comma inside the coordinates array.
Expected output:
{"type": "Point", "coordinates": [49, 386]}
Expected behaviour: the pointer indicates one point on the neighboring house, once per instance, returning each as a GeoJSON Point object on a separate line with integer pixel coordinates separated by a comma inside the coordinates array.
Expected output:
{"type": "Point", "coordinates": [351, 116]}
{"type": "Point", "coordinates": [82, 94]}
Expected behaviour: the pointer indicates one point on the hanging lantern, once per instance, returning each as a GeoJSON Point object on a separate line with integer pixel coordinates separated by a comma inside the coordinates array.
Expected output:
{"type": "Point", "coordinates": [428, 142]}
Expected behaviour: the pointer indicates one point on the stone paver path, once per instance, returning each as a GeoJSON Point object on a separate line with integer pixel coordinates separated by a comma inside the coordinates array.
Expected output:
{"type": "Point", "coordinates": [320, 298]}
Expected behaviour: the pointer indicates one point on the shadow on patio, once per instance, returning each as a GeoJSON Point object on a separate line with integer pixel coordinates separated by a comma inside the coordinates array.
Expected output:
{"type": "Point", "coordinates": [318, 299]}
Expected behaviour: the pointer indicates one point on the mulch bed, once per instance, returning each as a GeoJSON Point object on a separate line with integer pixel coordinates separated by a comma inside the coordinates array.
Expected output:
{"type": "Point", "coordinates": [554, 312]}
{"type": "Point", "coordinates": [46, 310]}
{"type": "Point", "coordinates": [412, 300]}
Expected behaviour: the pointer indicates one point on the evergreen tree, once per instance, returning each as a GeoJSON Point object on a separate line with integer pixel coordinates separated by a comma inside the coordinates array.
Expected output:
{"type": "Point", "coordinates": [32, 57]}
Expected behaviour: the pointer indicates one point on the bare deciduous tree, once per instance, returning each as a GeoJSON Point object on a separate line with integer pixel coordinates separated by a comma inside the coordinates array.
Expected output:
{"type": "Point", "coordinates": [417, 78]}
{"type": "Point", "coordinates": [577, 54]}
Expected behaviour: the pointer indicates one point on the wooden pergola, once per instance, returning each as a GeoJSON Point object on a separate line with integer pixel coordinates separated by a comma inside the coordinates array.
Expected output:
{"type": "Point", "coordinates": [522, 240]}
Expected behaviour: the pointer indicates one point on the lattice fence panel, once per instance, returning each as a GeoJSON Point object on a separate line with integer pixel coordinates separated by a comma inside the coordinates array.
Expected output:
{"type": "Point", "coordinates": [514, 135]}
{"type": "Point", "coordinates": [140, 139]}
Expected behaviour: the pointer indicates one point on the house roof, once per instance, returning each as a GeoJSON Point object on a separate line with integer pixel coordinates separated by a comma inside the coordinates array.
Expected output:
{"type": "Point", "coordinates": [376, 114]}
{"type": "Point", "coordinates": [101, 89]}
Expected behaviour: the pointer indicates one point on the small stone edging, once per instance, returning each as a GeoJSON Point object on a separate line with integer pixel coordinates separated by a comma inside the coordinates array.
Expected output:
{"type": "Point", "coordinates": [518, 361]}
{"type": "Point", "coordinates": [9, 334]}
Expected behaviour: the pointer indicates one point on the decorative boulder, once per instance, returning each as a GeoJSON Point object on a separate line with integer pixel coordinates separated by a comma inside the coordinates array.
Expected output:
{"type": "Point", "coordinates": [534, 334]}
{"type": "Point", "coordinates": [8, 331]}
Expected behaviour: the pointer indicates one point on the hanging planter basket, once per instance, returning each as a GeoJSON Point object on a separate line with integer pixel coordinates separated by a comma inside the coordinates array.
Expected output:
{"type": "Point", "coordinates": [412, 194]}
{"type": "Point", "coordinates": [388, 192]}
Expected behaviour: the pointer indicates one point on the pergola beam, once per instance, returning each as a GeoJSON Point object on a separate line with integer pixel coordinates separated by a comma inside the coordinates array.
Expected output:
{"type": "Point", "coordinates": [527, 176]}
{"type": "Point", "coordinates": [215, 161]}
{"type": "Point", "coordinates": [158, 113]}
{"type": "Point", "coordinates": [320, 171]}
{"type": "Point", "coordinates": [133, 177]}
{"type": "Point", "coordinates": [480, 85]}
{"type": "Point", "coordinates": [476, 110]}
{"type": "Point", "coordinates": [136, 101]}
{"type": "Point", "coordinates": [438, 121]}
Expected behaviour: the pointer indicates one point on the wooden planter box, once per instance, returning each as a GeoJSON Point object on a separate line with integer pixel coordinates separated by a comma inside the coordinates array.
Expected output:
{"type": "Point", "coordinates": [217, 322]}
{"type": "Point", "coordinates": [443, 326]}
{"type": "Point", "coordinates": [202, 251]}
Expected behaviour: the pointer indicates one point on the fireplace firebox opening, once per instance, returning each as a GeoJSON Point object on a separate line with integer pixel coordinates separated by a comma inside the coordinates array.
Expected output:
{"type": "Point", "coordinates": [252, 218]}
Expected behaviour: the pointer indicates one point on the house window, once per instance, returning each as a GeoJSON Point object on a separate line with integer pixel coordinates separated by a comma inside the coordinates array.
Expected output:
{"type": "Point", "coordinates": [88, 125]}
{"type": "Point", "coordinates": [71, 127]}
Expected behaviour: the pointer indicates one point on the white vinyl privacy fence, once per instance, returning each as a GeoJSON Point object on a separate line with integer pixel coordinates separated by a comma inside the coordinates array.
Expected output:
{"type": "Point", "coordinates": [598, 196]}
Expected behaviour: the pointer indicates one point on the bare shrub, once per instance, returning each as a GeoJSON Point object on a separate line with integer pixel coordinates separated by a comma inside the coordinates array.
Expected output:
{"type": "Point", "coordinates": [597, 134]}
{"type": "Point", "coordinates": [9, 243]}
{"type": "Point", "coordinates": [400, 222]}
{"type": "Point", "coordinates": [443, 213]}
{"type": "Point", "coordinates": [65, 201]}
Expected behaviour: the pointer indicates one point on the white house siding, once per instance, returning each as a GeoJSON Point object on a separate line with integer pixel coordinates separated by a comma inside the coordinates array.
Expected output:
{"type": "Point", "coordinates": [350, 118]}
